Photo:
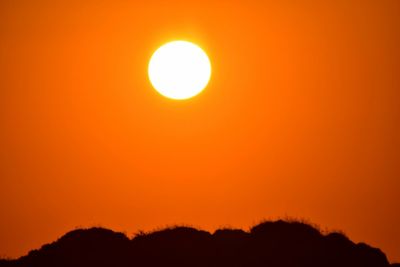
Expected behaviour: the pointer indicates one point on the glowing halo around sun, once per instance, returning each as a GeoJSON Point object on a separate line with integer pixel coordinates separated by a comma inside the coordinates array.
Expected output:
{"type": "Point", "coordinates": [179, 70]}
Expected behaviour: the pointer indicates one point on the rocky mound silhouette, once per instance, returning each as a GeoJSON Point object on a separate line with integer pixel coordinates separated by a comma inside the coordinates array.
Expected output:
{"type": "Point", "coordinates": [275, 244]}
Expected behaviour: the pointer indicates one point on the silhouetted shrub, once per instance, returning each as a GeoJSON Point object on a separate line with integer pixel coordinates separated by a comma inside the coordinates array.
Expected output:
{"type": "Point", "coordinates": [271, 243]}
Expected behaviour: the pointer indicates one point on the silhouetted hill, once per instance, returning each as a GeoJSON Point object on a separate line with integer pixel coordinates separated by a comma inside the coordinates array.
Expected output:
{"type": "Point", "coordinates": [274, 244]}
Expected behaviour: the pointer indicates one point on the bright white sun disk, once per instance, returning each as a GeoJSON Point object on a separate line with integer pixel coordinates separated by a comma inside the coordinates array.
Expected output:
{"type": "Point", "coordinates": [179, 70]}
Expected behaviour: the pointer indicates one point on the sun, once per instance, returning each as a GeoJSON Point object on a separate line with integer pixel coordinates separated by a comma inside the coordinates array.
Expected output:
{"type": "Point", "coordinates": [179, 70]}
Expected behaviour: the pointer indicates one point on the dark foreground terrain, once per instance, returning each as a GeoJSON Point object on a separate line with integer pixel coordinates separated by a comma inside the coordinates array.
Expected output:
{"type": "Point", "coordinates": [273, 244]}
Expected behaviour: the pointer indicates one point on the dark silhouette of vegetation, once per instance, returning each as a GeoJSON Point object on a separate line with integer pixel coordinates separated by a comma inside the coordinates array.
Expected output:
{"type": "Point", "coordinates": [275, 244]}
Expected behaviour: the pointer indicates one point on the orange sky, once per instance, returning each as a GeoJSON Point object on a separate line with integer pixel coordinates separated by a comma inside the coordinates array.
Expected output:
{"type": "Point", "coordinates": [301, 118]}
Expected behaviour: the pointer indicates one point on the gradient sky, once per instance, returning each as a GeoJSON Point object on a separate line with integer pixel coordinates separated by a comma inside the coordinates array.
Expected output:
{"type": "Point", "coordinates": [301, 118]}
